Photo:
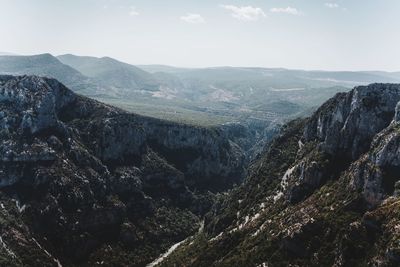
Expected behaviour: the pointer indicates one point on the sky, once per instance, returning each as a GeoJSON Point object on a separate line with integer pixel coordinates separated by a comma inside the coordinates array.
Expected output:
{"type": "Point", "coordinates": [296, 34]}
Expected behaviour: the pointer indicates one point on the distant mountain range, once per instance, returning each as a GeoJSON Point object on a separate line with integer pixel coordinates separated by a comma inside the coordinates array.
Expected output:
{"type": "Point", "coordinates": [224, 94]}
{"type": "Point", "coordinates": [111, 73]}
{"type": "Point", "coordinates": [46, 65]}
{"type": "Point", "coordinates": [260, 99]}
{"type": "Point", "coordinates": [7, 54]}
{"type": "Point", "coordinates": [206, 96]}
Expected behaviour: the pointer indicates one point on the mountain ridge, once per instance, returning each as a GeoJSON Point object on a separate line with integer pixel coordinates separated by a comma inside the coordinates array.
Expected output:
{"type": "Point", "coordinates": [110, 72]}
{"type": "Point", "coordinates": [45, 65]}
{"type": "Point", "coordinates": [83, 182]}
{"type": "Point", "coordinates": [259, 99]}
{"type": "Point", "coordinates": [325, 193]}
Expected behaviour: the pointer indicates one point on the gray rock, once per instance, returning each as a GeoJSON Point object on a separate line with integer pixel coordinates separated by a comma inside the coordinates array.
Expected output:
{"type": "Point", "coordinates": [397, 113]}
{"type": "Point", "coordinates": [347, 123]}
{"type": "Point", "coordinates": [341, 130]}
{"type": "Point", "coordinates": [377, 173]}
{"type": "Point", "coordinates": [34, 105]}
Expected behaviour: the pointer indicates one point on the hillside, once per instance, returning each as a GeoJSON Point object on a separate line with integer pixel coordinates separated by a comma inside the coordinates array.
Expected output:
{"type": "Point", "coordinates": [325, 193]}
{"type": "Point", "coordinates": [111, 73]}
{"type": "Point", "coordinates": [84, 183]}
{"type": "Point", "coordinates": [45, 65]}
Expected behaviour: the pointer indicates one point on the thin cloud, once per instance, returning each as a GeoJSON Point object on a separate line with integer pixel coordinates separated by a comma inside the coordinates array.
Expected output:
{"type": "Point", "coordinates": [286, 10]}
{"type": "Point", "coordinates": [245, 13]}
{"type": "Point", "coordinates": [133, 12]}
{"type": "Point", "coordinates": [193, 18]}
{"type": "Point", "coordinates": [335, 6]}
{"type": "Point", "coordinates": [332, 5]}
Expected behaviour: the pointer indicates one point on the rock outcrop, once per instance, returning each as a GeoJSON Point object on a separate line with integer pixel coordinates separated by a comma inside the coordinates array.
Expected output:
{"type": "Point", "coordinates": [347, 123]}
{"type": "Point", "coordinates": [342, 129]}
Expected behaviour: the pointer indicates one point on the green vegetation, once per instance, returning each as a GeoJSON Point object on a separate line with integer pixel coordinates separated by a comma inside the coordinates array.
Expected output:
{"type": "Point", "coordinates": [169, 112]}
{"type": "Point", "coordinates": [176, 226]}
{"type": "Point", "coordinates": [210, 96]}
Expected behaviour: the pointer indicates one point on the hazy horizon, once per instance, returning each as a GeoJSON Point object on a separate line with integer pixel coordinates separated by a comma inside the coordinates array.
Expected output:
{"type": "Point", "coordinates": [336, 35]}
{"type": "Point", "coordinates": [2, 53]}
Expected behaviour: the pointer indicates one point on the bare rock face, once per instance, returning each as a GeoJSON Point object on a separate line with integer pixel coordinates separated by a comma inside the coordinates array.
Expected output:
{"type": "Point", "coordinates": [377, 173]}
{"type": "Point", "coordinates": [94, 184]}
{"type": "Point", "coordinates": [34, 105]}
{"type": "Point", "coordinates": [32, 102]}
{"type": "Point", "coordinates": [397, 112]}
{"type": "Point", "coordinates": [208, 160]}
{"type": "Point", "coordinates": [30, 106]}
{"type": "Point", "coordinates": [342, 130]}
{"type": "Point", "coordinates": [347, 123]}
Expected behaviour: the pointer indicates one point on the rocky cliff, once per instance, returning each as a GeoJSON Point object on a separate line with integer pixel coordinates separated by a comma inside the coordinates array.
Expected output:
{"type": "Point", "coordinates": [325, 193]}
{"type": "Point", "coordinates": [83, 183]}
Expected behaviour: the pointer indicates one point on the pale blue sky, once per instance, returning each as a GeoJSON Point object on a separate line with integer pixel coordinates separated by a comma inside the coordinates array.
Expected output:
{"type": "Point", "coordinates": [302, 34]}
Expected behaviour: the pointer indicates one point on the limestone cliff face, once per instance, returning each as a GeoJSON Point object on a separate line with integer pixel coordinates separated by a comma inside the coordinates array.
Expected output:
{"type": "Point", "coordinates": [32, 102]}
{"type": "Point", "coordinates": [208, 159]}
{"type": "Point", "coordinates": [38, 105]}
{"type": "Point", "coordinates": [376, 174]}
{"type": "Point", "coordinates": [342, 129]}
{"type": "Point", "coordinates": [347, 123]}
{"type": "Point", "coordinates": [82, 182]}
{"type": "Point", "coordinates": [325, 193]}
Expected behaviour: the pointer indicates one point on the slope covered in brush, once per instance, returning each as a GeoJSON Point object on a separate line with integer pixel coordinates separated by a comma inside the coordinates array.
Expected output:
{"type": "Point", "coordinates": [83, 183]}
{"type": "Point", "coordinates": [325, 193]}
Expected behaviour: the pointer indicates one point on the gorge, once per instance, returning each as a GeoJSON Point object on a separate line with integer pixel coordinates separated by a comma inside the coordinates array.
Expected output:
{"type": "Point", "coordinates": [85, 184]}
